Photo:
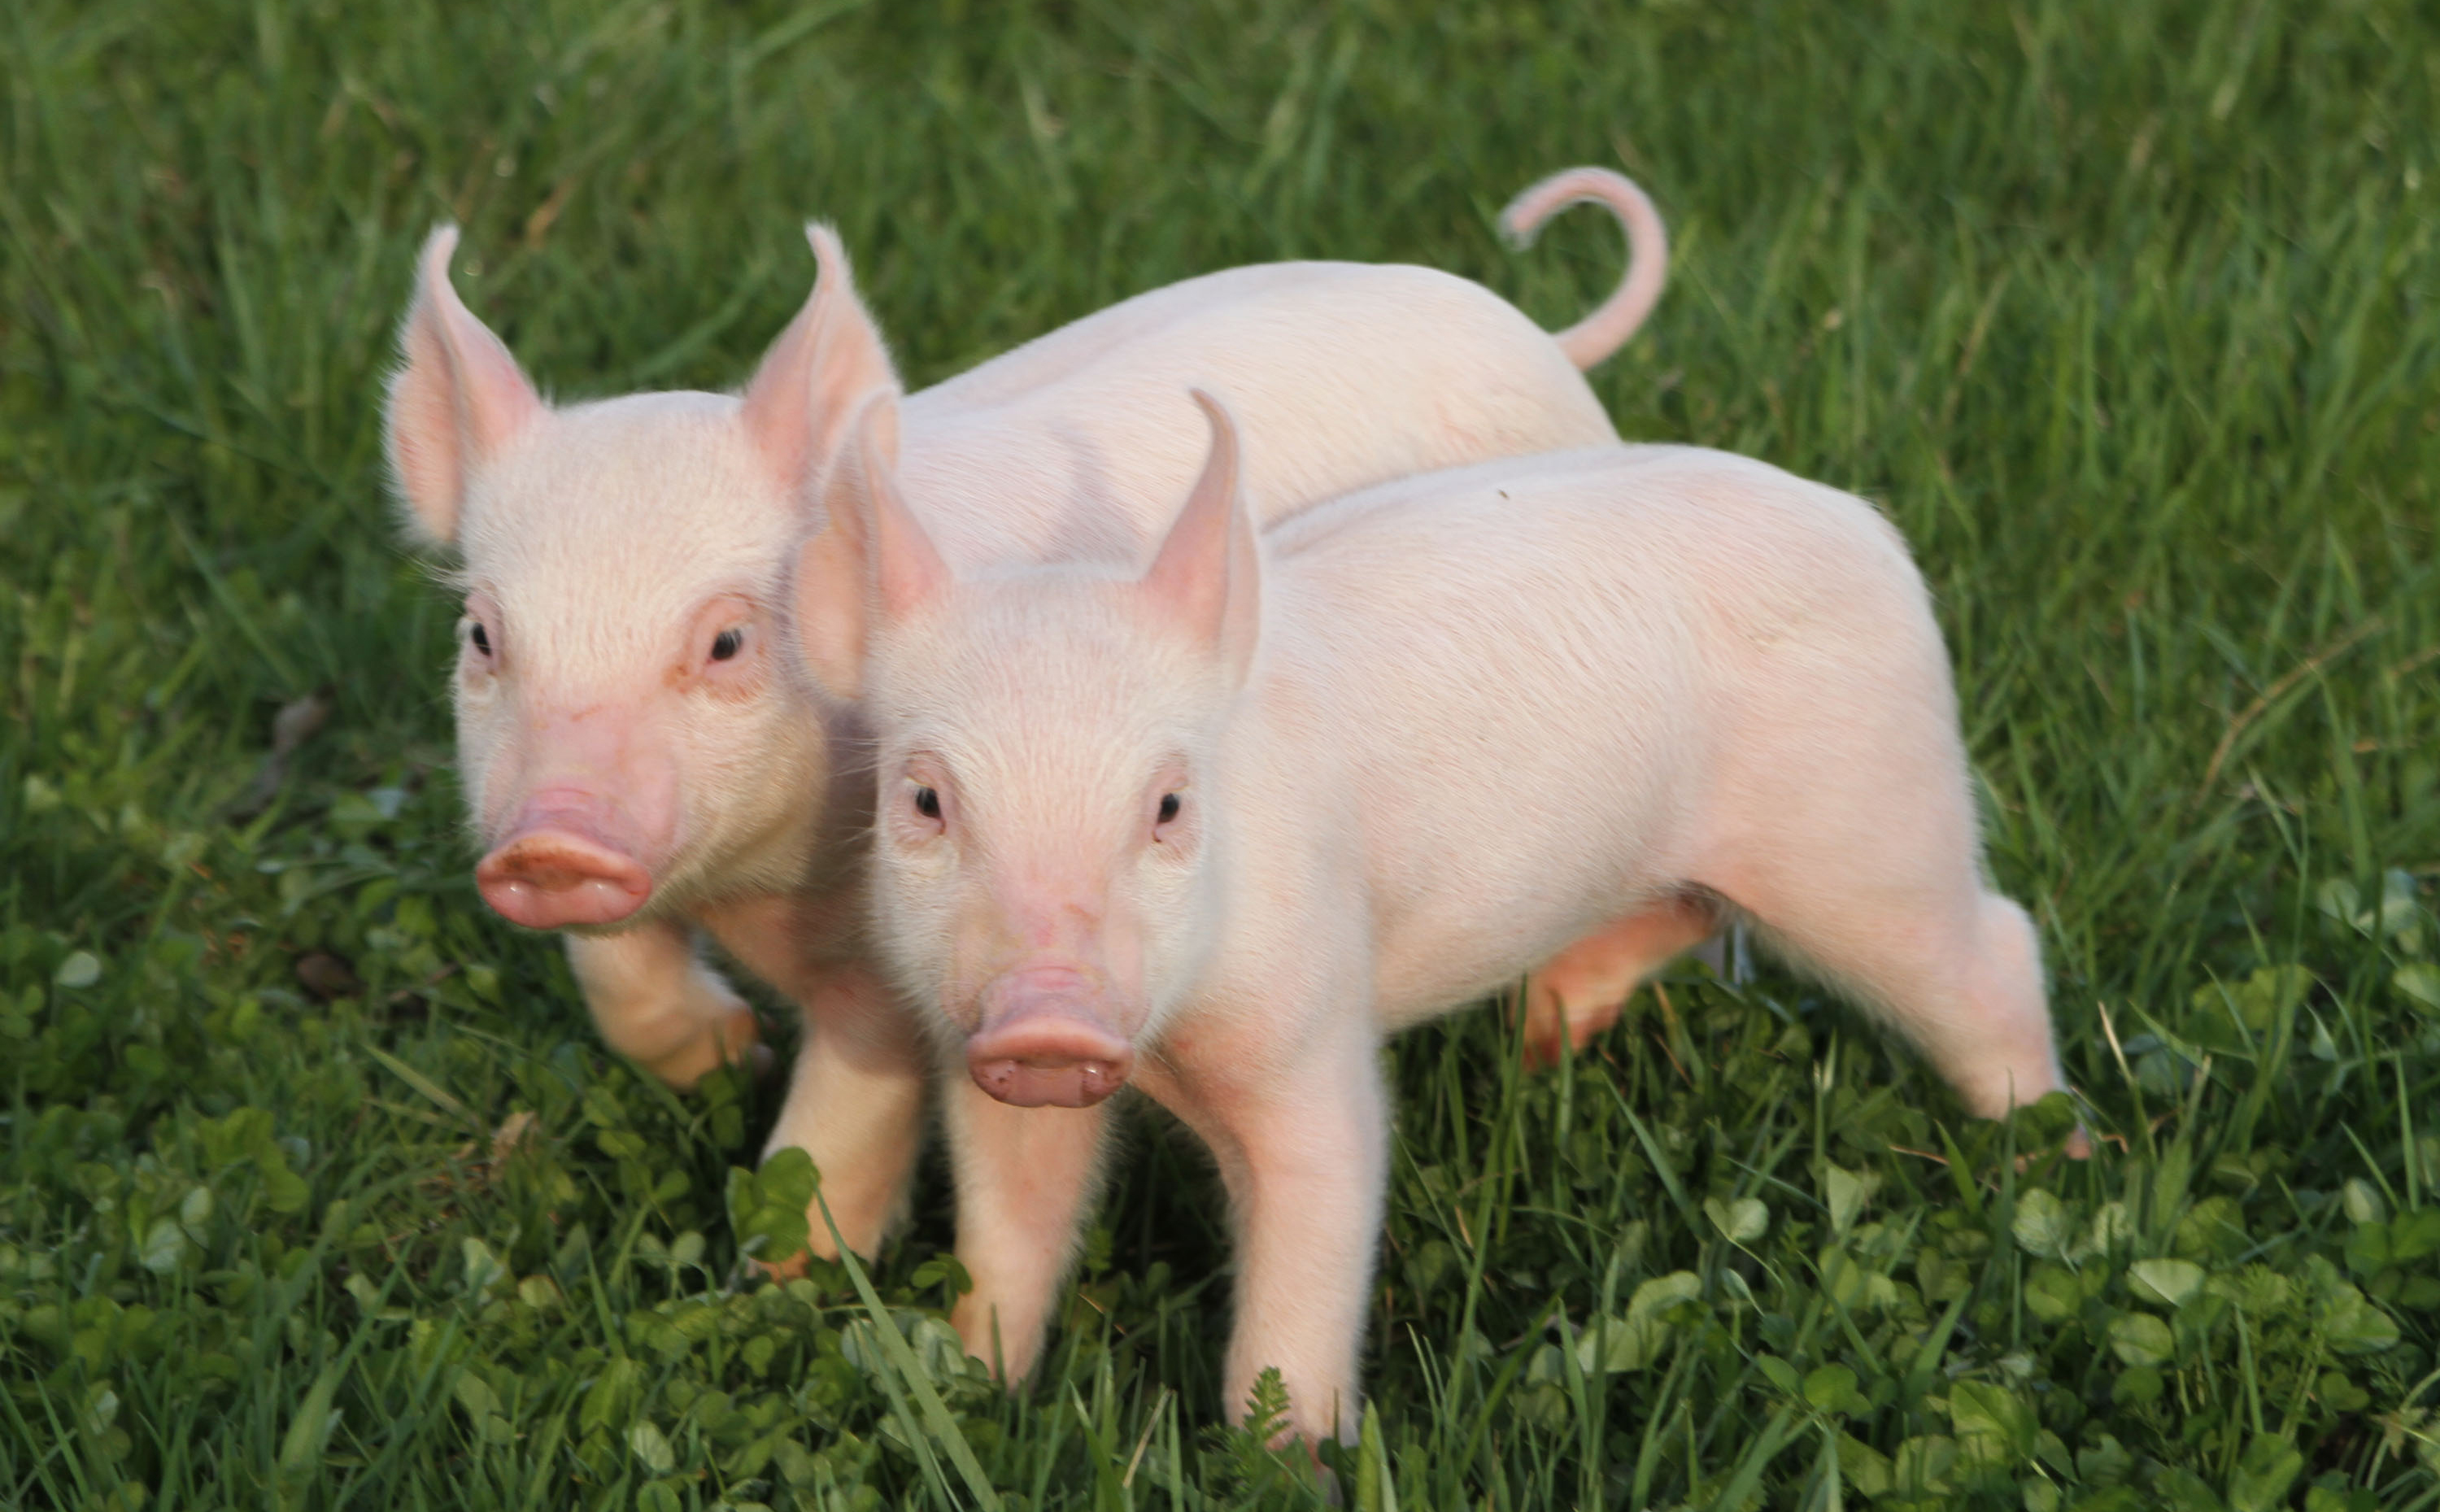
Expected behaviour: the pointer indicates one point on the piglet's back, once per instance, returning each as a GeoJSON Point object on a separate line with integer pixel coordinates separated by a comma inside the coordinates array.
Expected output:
{"type": "Point", "coordinates": [1678, 567]}
{"type": "Point", "coordinates": [1351, 374]}
{"type": "Point", "coordinates": [1567, 558]}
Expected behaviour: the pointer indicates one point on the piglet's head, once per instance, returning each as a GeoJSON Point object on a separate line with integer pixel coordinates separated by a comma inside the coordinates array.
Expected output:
{"type": "Point", "coordinates": [633, 729]}
{"type": "Point", "coordinates": [1044, 850]}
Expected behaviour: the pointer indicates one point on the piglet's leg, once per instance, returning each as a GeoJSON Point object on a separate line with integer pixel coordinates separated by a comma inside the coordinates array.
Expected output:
{"type": "Point", "coordinates": [1304, 1150]}
{"type": "Point", "coordinates": [1024, 1176]}
{"type": "Point", "coordinates": [1580, 993]}
{"type": "Point", "coordinates": [856, 1103]}
{"type": "Point", "coordinates": [1959, 973]}
{"type": "Point", "coordinates": [658, 1004]}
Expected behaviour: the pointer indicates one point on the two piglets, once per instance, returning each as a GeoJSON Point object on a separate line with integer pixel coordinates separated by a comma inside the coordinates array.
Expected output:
{"type": "Point", "coordinates": [1217, 829]}
{"type": "Point", "coordinates": [642, 760]}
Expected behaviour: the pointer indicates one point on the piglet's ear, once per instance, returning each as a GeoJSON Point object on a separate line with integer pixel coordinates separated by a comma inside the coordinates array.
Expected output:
{"type": "Point", "coordinates": [872, 565]}
{"type": "Point", "coordinates": [1207, 577]}
{"type": "Point", "coordinates": [818, 372]}
{"type": "Point", "coordinates": [905, 569]}
{"type": "Point", "coordinates": [457, 400]}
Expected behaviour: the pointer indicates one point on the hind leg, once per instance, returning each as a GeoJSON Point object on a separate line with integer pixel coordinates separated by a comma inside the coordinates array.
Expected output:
{"type": "Point", "coordinates": [2009, 1056]}
{"type": "Point", "coordinates": [1960, 975]}
{"type": "Point", "coordinates": [1583, 989]}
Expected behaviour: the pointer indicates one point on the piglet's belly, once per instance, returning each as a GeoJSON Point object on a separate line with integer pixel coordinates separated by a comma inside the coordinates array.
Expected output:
{"type": "Point", "coordinates": [1438, 973]}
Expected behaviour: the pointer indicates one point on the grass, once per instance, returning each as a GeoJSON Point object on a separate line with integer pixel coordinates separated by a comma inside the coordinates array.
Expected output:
{"type": "Point", "coordinates": [316, 1190]}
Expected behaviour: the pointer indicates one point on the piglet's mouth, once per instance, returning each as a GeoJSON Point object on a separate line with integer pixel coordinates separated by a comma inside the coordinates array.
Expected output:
{"type": "Point", "coordinates": [548, 878]}
{"type": "Point", "coordinates": [1046, 1044]}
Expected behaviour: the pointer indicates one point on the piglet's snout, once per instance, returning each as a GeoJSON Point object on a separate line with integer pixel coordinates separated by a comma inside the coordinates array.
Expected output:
{"type": "Point", "coordinates": [1048, 1039]}
{"type": "Point", "coordinates": [560, 866]}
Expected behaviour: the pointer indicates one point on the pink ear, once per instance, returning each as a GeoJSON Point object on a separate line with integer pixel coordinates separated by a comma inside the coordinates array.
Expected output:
{"type": "Point", "coordinates": [1207, 576]}
{"type": "Point", "coordinates": [907, 570]}
{"type": "Point", "coordinates": [815, 376]}
{"type": "Point", "coordinates": [456, 402]}
{"type": "Point", "coordinates": [830, 608]}
{"type": "Point", "coordinates": [873, 560]}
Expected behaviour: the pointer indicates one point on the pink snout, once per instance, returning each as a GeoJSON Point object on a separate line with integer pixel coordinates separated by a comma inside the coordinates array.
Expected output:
{"type": "Point", "coordinates": [1046, 1040]}
{"type": "Point", "coordinates": [550, 873]}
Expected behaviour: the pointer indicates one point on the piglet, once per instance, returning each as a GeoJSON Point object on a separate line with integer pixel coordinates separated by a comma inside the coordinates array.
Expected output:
{"type": "Point", "coordinates": [1216, 829]}
{"type": "Point", "coordinates": [640, 758]}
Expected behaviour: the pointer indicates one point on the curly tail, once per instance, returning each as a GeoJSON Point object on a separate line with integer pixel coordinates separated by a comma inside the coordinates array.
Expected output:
{"type": "Point", "coordinates": [1605, 330]}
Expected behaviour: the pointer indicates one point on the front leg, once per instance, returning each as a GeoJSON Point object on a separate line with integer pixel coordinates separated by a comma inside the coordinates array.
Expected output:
{"type": "Point", "coordinates": [856, 1103]}
{"type": "Point", "coordinates": [1302, 1142]}
{"type": "Point", "coordinates": [656, 1004]}
{"type": "Point", "coordinates": [1024, 1175]}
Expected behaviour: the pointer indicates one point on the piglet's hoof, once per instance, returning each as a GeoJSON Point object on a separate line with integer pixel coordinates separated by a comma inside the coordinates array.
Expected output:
{"type": "Point", "coordinates": [735, 1041]}
{"type": "Point", "coordinates": [2076, 1146]}
{"type": "Point", "coordinates": [739, 1042]}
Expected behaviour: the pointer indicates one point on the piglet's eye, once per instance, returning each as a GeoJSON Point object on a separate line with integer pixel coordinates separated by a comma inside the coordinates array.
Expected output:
{"type": "Point", "coordinates": [725, 644]}
{"type": "Point", "coordinates": [480, 637]}
{"type": "Point", "coordinates": [927, 802]}
{"type": "Point", "coordinates": [1168, 808]}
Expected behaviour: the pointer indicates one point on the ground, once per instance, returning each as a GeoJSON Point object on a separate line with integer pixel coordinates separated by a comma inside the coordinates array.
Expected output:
{"type": "Point", "coordinates": [317, 1190]}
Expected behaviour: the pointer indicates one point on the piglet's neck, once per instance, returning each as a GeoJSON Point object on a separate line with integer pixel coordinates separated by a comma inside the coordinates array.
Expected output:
{"type": "Point", "coordinates": [840, 817]}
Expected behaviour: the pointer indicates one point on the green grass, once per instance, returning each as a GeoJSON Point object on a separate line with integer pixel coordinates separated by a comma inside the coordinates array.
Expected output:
{"type": "Point", "coordinates": [2129, 313]}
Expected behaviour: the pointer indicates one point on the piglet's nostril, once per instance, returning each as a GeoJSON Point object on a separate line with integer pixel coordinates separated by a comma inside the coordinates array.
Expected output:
{"type": "Point", "coordinates": [1046, 1040]}
{"type": "Point", "coordinates": [1048, 1084]}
